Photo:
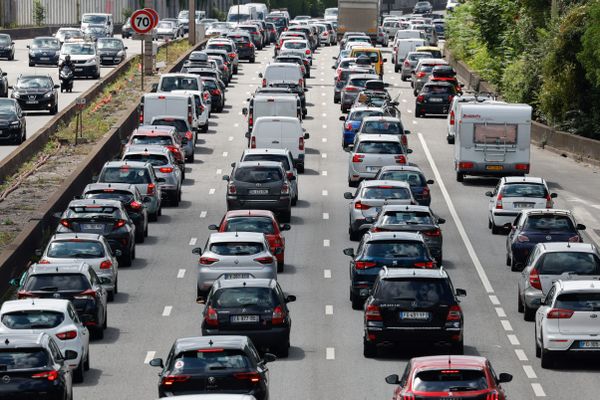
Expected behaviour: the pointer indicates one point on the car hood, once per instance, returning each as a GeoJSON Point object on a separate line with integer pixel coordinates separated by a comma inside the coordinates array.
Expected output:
{"type": "Point", "coordinates": [32, 91]}
{"type": "Point", "coordinates": [108, 51]}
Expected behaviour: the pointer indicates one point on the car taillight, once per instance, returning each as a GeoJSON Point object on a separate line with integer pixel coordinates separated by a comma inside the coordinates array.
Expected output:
{"type": "Point", "coordinates": [106, 264]}
{"type": "Point", "coordinates": [357, 158]}
{"type": "Point", "coordinates": [522, 167]}
{"type": "Point", "coordinates": [420, 74]}
{"type": "Point", "coordinates": [559, 313]}
{"type": "Point", "coordinates": [360, 206]}
{"type": "Point", "coordinates": [67, 335]}
{"type": "Point", "coordinates": [549, 202]}
{"type": "Point", "coordinates": [406, 63]}
{"type": "Point", "coordinates": [427, 264]}
{"type": "Point", "coordinates": [351, 89]}
{"type": "Point", "coordinates": [254, 33]}
{"type": "Point", "coordinates": [135, 205]}
{"type": "Point", "coordinates": [300, 82]}
{"type": "Point", "coordinates": [151, 189]}
{"type": "Point", "coordinates": [534, 279]}
{"type": "Point", "coordinates": [225, 68]}
{"type": "Point", "coordinates": [522, 238]}
{"type": "Point", "coordinates": [119, 223]}
{"type": "Point", "coordinates": [400, 159]}
{"type": "Point", "coordinates": [253, 377]}
{"type": "Point", "coordinates": [454, 313]}
{"type": "Point", "coordinates": [264, 83]}
{"type": "Point", "coordinates": [420, 98]}
{"type": "Point", "coordinates": [250, 120]}
{"type": "Point", "coordinates": [301, 143]}
{"type": "Point", "coordinates": [278, 316]}
{"type": "Point", "coordinates": [49, 375]}
{"type": "Point", "coordinates": [141, 113]}
{"type": "Point", "coordinates": [215, 92]}
{"type": "Point", "coordinates": [208, 260]}
{"type": "Point", "coordinates": [290, 175]}
{"type": "Point", "coordinates": [435, 232]}
{"type": "Point", "coordinates": [575, 239]}
{"type": "Point", "coordinates": [372, 313]}
{"type": "Point", "coordinates": [364, 264]}
{"type": "Point", "coordinates": [407, 397]}
{"type": "Point", "coordinates": [23, 294]}
{"type": "Point", "coordinates": [492, 396]}
{"type": "Point", "coordinates": [451, 117]}
{"type": "Point", "coordinates": [425, 193]}
{"type": "Point", "coordinates": [190, 114]}
{"type": "Point", "coordinates": [251, 45]}
{"type": "Point", "coordinates": [465, 165]}
{"type": "Point", "coordinates": [188, 134]}
{"type": "Point", "coordinates": [264, 260]}
{"type": "Point", "coordinates": [171, 379]}
{"type": "Point", "coordinates": [205, 95]}
{"type": "Point", "coordinates": [65, 222]}
{"type": "Point", "coordinates": [166, 170]}
{"type": "Point", "coordinates": [348, 127]}
{"type": "Point", "coordinates": [253, 142]}
{"type": "Point", "coordinates": [43, 261]}
{"type": "Point", "coordinates": [285, 189]}
{"type": "Point", "coordinates": [450, 98]}
{"type": "Point", "coordinates": [231, 55]}
{"type": "Point", "coordinates": [307, 52]}
{"type": "Point", "coordinates": [86, 294]}
{"type": "Point", "coordinates": [499, 205]}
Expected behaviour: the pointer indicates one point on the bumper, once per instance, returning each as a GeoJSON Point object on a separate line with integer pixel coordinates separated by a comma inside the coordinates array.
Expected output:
{"type": "Point", "coordinates": [84, 70]}
{"type": "Point", "coordinates": [479, 168]}
{"type": "Point", "coordinates": [39, 105]}
{"type": "Point", "coordinates": [245, 54]}
{"type": "Point", "coordinates": [555, 341]}
{"type": "Point", "coordinates": [207, 276]}
{"type": "Point", "coordinates": [262, 339]}
{"type": "Point", "coordinates": [46, 60]}
{"type": "Point", "coordinates": [10, 134]}
{"type": "Point", "coordinates": [357, 176]}
{"type": "Point", "coordinates": [501, 218]}
{"type": "Point", "coordinates": [284, 204]}
{"type": "Point", "coordinates": [433, 108]}
{"type": "Point", "coordinates": [169, 191]}
{"type": "Point", "coordinates": [110, 59]}
{"type": "Point", "coordinates": [413, 335]}
{"type": "Point", "coordinates": [532, 297]}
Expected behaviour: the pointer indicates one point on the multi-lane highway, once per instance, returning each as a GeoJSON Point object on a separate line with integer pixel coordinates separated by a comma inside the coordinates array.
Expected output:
{"type": "Point", "coordinates": [156, 300]}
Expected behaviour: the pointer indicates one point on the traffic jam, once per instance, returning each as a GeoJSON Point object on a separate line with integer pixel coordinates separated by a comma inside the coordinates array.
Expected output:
{"type": "Point", "coordinates": [261, 79]}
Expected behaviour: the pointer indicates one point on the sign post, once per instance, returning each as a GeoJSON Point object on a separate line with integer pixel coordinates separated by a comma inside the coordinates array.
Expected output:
{"type": "Point", "coordinates": [81, 101]}
{"type": "Point", "coordinates": [142, 23]}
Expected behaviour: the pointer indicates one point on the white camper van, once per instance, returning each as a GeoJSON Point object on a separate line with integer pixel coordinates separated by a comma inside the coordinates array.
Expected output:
{"type": "Point", "coordinates": [492, 139]}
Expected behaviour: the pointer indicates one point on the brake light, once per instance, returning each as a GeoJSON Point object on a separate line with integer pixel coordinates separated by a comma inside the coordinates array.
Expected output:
{"type": "Point", "coordinates": [427, 264]}
{"type": "Point", "coordinates": [522, 238]}
{"type": "Point", "coordinates": [231, 55]}
{"type": "Point", "coordinates": [254, 33]}
{"type": "Point", "coordinates": [151, 189]}
{"type": "Point", "coordinates": [231, 189]}
{"type": "Point", "coordinates": [50, 375]}
{"type": "Point", "coordinates": [43, 261]}
{"type": "Point", "coordinates": [188, 134]}
{"type": "Point", "coordinates": [492, 396]}
{"type": "Point", "coordinates": [534, 279]}
{"type": "Point", "coordinates": [23, 294]}
{"type": "Point", "coordinates": [86, 294]}
{"type": "Point", "coordinates": [357, 158]}
{"type": "Point", "coordinates": [206, 95]}
{"type": "Point", "coordinates": [250, 120]}
{"type": "Point", "coordinates": [307, 52]}
{"type": "Point", "coordinates": [420, 74]}
{"type": "Point", "coordinates": [264, 260]}
{"type": "Point", "coordinates": [451, 117]}
{"type": "Point", "coordinates": [435, 233]}
{"type": "Point", "coordinates": [559, 313]}
{"type": "Point", "coordinates": [425, 193]}
{"type": "Point", "coordinates": [454, 313]}
{"type": "Point", "coordinates": [450, 98]}
{"type": "Point", "coordinates": [208, 260]}
{"type": "Point", "coordinates": [465, 165]}
{"type": "Point", "coordinates": [522, 167]}
{"type": "Point", "coordinates": [278, 316]}
{"type": "Point", "coordinates": [106, 264]}
{"type": "Point", "coordinates": [141, 112]}
{"type": "Point", "coordinates": [372, 313]}
{"type": "Point", "coordinates": [574, 239]}
{"type": "Point", "coordinates": [65, 222]}
{"type": "Point", "coordinates": [134, 205]}
{"type": "Point", "coordinates": [351, 89]}
{"type": "Point", "coordinates": [119, 223]}
{"type": "Point", "coordinates": [215, 92]}
{"type": "Point", "coordinates": [348, 127]}
{"type": "Point", "coordinates": [400, 159]}
{"type": "Point", "coordinates": [285, 189]}
{"type": "Point", "coordinates": [67, 335]}
{"type": "Point", "coordinates": [364, 264]}
{"type": "Point", "coordinates": [406, 63]}
{"type": "Point", "coordinates": [190, 114]}
{"type": "Point", "coordinates": [499, 205]}
{"type": "Point", "coordinates": [300, 143]}
{"type": "Point", "coordinates": [166, 170]}
{"type": "Point", "coordinates": [290, 175]}
{"type": "Point", "coordinates": [360, 206]}
{"type": "Point", "coordinates": [264, 83]}
{"type": "Point", "coordinates": [253, 377]}
{"type": "Point", "coordinates": [171, 379]}
{"type": "Point", "coordinates": [253, 142]}
{"type": "Point", "coordinates": [420, 98]}
{"type": "Point", "coordinates": [549, 202]}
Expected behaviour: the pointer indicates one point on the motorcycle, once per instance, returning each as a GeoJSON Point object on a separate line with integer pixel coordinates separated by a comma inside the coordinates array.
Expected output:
{"type": "Point", "coordinates": [66, 79]}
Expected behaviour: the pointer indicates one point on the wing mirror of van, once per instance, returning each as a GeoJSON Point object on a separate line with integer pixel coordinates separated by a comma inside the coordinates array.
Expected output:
{"type": "Point", "coordinates": [245, 111]}
{"type": "Point", "coordinates": [247, 134]}
{"type": "Point", "coordinates": [348, 196]}
{"type": "Point", "coordinates": [406, 132]}
{"type": "Point", "coordinates": [306, 135]}
{"type": "Point", "coordinates": [553, 195]}
{"type": "Point", "coordinates": [409, 151]}
{"type": "Point", "coordinates": [430, 182]}
{"type": "Point", "coordinates": [580, 227]}
{"type": "Point", "coordinates": [489, 194]}
{"type": "Point", "coordinates": [260, 75]}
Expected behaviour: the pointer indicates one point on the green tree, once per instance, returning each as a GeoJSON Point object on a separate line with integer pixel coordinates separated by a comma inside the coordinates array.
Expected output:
{"type": "Point", "coordinates": [39, 12]}
{"type": "Point", "coordinates": [589, 56]}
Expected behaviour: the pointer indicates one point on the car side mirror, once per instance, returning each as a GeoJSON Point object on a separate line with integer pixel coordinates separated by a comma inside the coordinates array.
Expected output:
{"type": "Point", "coordinates": [260, 75]}
{"type": "Point", "coordinates": [504, 377]}
{"type": "Point", "coordinates": [285, 227]}
{"type": "Point", "coordinates": [213, 227]}
{"type": "Point", "coordinates": [348, 196]}
{"type": "Point", "coordinates": [334, 58]}
{"type": "Point", "coordinates": [245, 111]}
{"type": "Point", "coordinates": [553, 195]}
{"type": "Point", "coordinates": [56, 86]}
{"type": "Point", "coordinates": [197, 250]}
{"type": "Point", "coordinates": [430, 182]}
{"type": "Point", "coordinates": [200, 300]}
{"type": "Point", "coordinates": [14, 282]}
{"type": "Point", "coordinates": [157, 362]}
{"type": "Point", "coordinates": [28, 46]}
{"type": "Point", "coordinates": [226, 177]}
{"type": "Point", "coordinates": [441, 221]}
{"type": "Point", "coordinates": [406, 132]}
{"type": "Point", "coordinates": [489, 194]}
{"type": "Point", "coordinates": [4, 74]}
{"type": "Point", "coordinates": [154, 88]}
{"type": "Point", "coordinates": [333, 67]}
{"type": "Point", "coordinates": [268, 357]}
{"type": "Point", "coordinates": [70, 355]}
{"type": "Point", "coordinates": [305, 90]}
{"type": "Point", "coordinates": [580, 227]}
{"type": "Point", "coordinates": [461, 292]}
{"type": "Point", "coordinates": [386, 84]}
{"type": "Point", "coordinates": [392, 379]}
{"type": "Point", "coordinates": [290, 298]}
{"type": "Point", "coordinates": [462, 85]}
{"type": "Point", "coordinates": [125, 48]}
{"type": "Point", "coordinates": [118, 253]}
{"type": "Point", "coordinates": [306, 136]}
{"type": "Point", "coordinates": [349, 252]}
{"type": "Point", "coordinates": [342, 117]}
{"type": "Point", "coordinates": [409, 151]}
{"type": "Point", "coordinates": [10, 86]}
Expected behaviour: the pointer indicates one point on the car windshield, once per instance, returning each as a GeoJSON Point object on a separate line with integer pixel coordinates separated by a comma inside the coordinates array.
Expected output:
{"type": "Point", "coordinates": [424, 291]}
{"type": "Point", "coordinates": [413, 178]}
{"type": "Point", "coordinates": [294, 45]}
{"type": "Point", "coordinates": [557, 263]}
{"type": "Point", "coordinates": [244, 297]}
{"type": "Point", "coordinates": [7, 106]}
{"type": "Point", "coordinates": [78, 49]}
{"type": "Point", "coordinates": [45, 43]}
{"type": "Point", "coordinates": [250, 224]}
{"type": "Point", "coordinates": [238, 18]}
{"type": "Point", "coordinates": [15, 359]}
{"type": "Point", "coordinates": [395, 249]}
{"type": "Point", "coordinates": [125, 174]}
{"type": "Point", "coordinates": [524, 190]}
{"type": "Point", "coordinates": [57, 282]}
{"type": "Point", "coordinates": [450, 380]}
{"type": "Point", "coordinates": [95, 29]}
{"type": "Point", "coordinates": [94, 19]}
{"type": "Point", "coordinates": [549, 223]}
{"type": "Point", "coordinates": [170, 83]}
{"type": "Point", "coordinates": [5, 40]}
{"type": "Point", "coordinates": [33, 319]}
{"type": "Point", "coordinates": [110, 194]}
{"type": "Point", "coordinates": [373, 55]}
{"type": "Point", "coordinates": [34, 82]}
{"type": "Point", "coordinates": [236, 248]}
{"type": "Point", "coordinates": [270, 157]}
{"type": "Point", "coordinates": [156, 160]}
{"type": "Point", "coordinates": [579, 301]}
{"type": "Point", "coordinates": [368, 147]}
{"type": "Point", "coordinates": [406, 218]}
{"type": "Point", "coordinates": [438, 89]}
{"type": "Point", "coordinates": [76, 248]}
{"type": "Point", "coordinates": [386, 192]}
{"type": "Point", "coordinates": [113, 44]}
{"type": "Point", "coordinates": [389, 127]}
{"type": "Point", "coordinates": [258, 175]}
{"type": "Point", "coordinates": [209, 361]}
{"type": "Point", "coordinates": [160, 140]}
{"type": "Point", "coordinates": [178, 124]}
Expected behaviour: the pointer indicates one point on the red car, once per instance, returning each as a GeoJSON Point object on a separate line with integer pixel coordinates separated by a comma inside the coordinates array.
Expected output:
{"type": "Point", "coordinates": [261, 221]}
{"type": "Point", "coordinates": [449, 377]}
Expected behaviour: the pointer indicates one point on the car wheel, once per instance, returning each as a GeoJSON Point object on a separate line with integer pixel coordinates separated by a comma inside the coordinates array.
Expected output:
{"type": "Point", "coordinates": [204, 129]}
{"type": "Point", "coordinates": [283, 351]}
{"type": "Point", "coordinates": [105, 324]}
{"type": "Point", "coordinates": [295, 200]}
{"type": "Point", "coordinates": [496, 230]}
{"type": "Point", "coordinates": [159, 212]}
{"type": "Point", "coordinates": [54, 109]}
{"type": "Point", "coordinates": [396, 69]}
{"type": "Point", "coordinates": [520, 307]}
{"type": "Point", "coordinates": [111, 295]}
{"type": "Point", "coordinates": [280, 266]}
{"type": "Point", "coordinates": [450, 139]}
{"type": "Point", "coordinates": [153, 217]}
{"type": "Point", "coordinates": [513, 265]}
{"type": "Point", "coordinates": [146, 231]}
{"type": "Point", "coordinates": [139, 236]}
{"type": "Point", "coordinates": [98, 333]}
{"type": "Point", "coordinates": [86, 363]}
{"type": "Point", "coordinates": [78, 373]}
{"type": "Point", "coordinates": [439, 259]}
{"type": "Point", "coordinates": [528, 313]}
{"type": "Point", "coordinates": [457, 348]}
{"type": "Point", "coordinates": [190, 158]}
{"type": "Point", "coordinates": [547, 358]}
{"type": "Point", "coordinates": [286, 216]}
{"type": "Point", "coordinates": [300, 168]}
{"type": "Point", "coordinates": [538, 349]}
{"type": "Point", "coordinates": [252, 60]}
{"type": "Point", "coordinates": [31, 64]}
{"type": "Point", "coordinates": [357, 302]}
{"type": "Point", "coordinates": [354, 235]}
{"type": "Point", "coordinates": [369, 349]}
{"type": "Point", "coordinates": [460, 177]}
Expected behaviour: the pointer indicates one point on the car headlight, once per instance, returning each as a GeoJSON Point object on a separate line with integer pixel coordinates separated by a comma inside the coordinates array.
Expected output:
{"type": "Point", "coordinates": [16, 95]}
{"type": "Point", "coordinates": [121, 53]}
{"type": "Point", "coordinates": [15, 123]}
{"type": "Point", "coordinates": [49, 94]}
{"type": "Point", "coordinates": [91, 60]}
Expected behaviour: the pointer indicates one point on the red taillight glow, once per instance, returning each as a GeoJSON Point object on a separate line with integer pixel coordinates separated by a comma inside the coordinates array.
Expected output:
{"type": "Point", "coordinates": [278, 316]}
{"type": "Point", "coordinates": [211, 318]}
{"type": "Point", "coordinates": [166, 170]}
{"type": "Point", "coordinates": [134, 205]}
{"type": "Point", "coordinates": [253, 377]}
{"type": "Point", "coordinates": [264, 260]}
{"type": "Point", "coordinates": [364, 264]}
{"type": "Point", "coordinates": [301, 143]}
{"type": "Point", "coordinates": [427, 264]}
{"type": "Point", "coordinates": [253, 142]}
{"type": "Point", "coordinates": [264, 83]}
{"type": "Point", "coordinates": [406, 63]}
{"type": "Point", "coordinates": [348, 126]}
{"type": "Point", "coordinates": [23, 294]}
{"type": "Point", "coordinates": [522, 167]}
{"type": "Point", "coordinates": [522, 238]}
{"type": "Point", "coordinates": [574, 239]}
{"type": "Point", "coordinates": [454, 313]}
{"type": "Point", "coordinates": [65, 223]}
{"type": "Point", "coordinates": [120, 223]}
{"type": "Point", "coordinates": [208, 260]}
{"type": "Point", "coordinates": [188, 135]}
{"type": "Point", "coordinates": [452, 117]}
{"type": "Point", "coordinates": [420, 98]}
{"type": "Point", "coordinates": [435, 233]}
{"type": "Point", "coordinates": [420, 74]}
{"type": "Point", "coordinates": [215, 92]}
{"type": "Point", "coordinates": [559, 313]}
{"type": "Point", "coordinates": [357, 158]}
{"type": "Point", "coordinates": [67, 335]}
{"type": "Point", "coordinates": [285, 189]}
{"type": "Point", "coordinates": [499, 205]}
{"type": "Point", "coordinates": [231, 189]}
{"type": "Point", "coordinates": [50, 375]}
{"type": "Point", "coordinates": [549, 202]}
{"type": "Point", "coordinates": [106, 264]}
{"type": "Point", "coordinates": [171, 379]}
{"type": "Point", "coordinates": [360, 206]}
{"type": "Point", "coordinates": [372, 313]}
{"type": "Point", "coordinates": [534, 279]}
{"type": "Point", "coordinates": [465, 165]}
{"type": "Point", "coordinates": [351, 89]}
{"type": "Point", "coordinates": [400, 159]}
{"type": "Point", "coordinates": [307, 52]}
{"type": "Point", "coordinates": [151, 189]}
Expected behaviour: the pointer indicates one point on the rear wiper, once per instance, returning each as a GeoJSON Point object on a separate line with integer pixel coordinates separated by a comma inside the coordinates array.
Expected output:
{"type": "Point", "coordinates": [49, 288]}
{"type": "Point", "coordinates": [460, 388]}
{"type": "Point", "coordinates": [220, 367]}
{"type": "Point", "coordinates": [404, 298]}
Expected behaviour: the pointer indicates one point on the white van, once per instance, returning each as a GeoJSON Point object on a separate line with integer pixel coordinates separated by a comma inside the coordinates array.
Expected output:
{"type": "Point", "coordinates": [492, 139]}
{"type": "Point", "coordinates": [105, 20]}
{"type": "Point", "coordinates": [179, 81]}
{"type": "Point", "coordinates": [202, 108]}
{"type": "Point", "coordinates": [280, 133]}
{"type": "Point", "coordinates": [261, 10]}
{"type": "Point", "coordinates": [171, 104]}
{"type": "Point", "coordinates": [401, 49]}
{"type": "Point", "coordinates": [409, 34]}
{"type": "Point", "coordinates": [272, 105]}
{"type": "Point", "coordinates": [282, 73]}
{"type": "Point", "coordinates": [242, 13]}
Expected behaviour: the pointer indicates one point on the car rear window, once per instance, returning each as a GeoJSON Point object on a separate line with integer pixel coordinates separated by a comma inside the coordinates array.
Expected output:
{"type": "Point", "coordinates": [395, 249]}
{"type": "Point", "coordinates": [417, 56]}
{"type": "Point", "coordinates": [258, 175]}
{"type": "Point", "coordinates": [524, 190]}
{"type": "Point", "coordinates": [373, 55]}
{"type": "Point", "coordinates": [359, 82]}
{"type": "Point", "coordinates": [110, 194]}
{"type": "Point", "coordinates": [390, 127]}
{"type": "Point", "coordinates": [92, 211]}
{"type": "Point", "coordinates": [579, 301]}
{"type": "Point", "coordinates": [220, 46]}
{"type": "Point", "coordinates": [450, 380]}
{"type": "Point", "coordinates": [125, 175]}
{"type": "Point", "coordinates": [424, 291]}
{"type": "Point", "coordinates": [210, 360]}
{"type": "Point", "coordinates": [579, 263]}
{"type": "Point", "coordinates": [386, 192]}
{"type": "Point", "coordinates": [359, 115]}
{"type": "Point", "coordinates": [368, 147]}
{"type": "Point", "coordinates": [244, 297]}
{"type": "Point", "coordinates": [33, 319]}
{"type": "Point", "coordinates": [179, 124]}
{"type": "Point", "coordinates": [237, 248]}
{"type": "Point", "coordinates": [155, 159]}
{"type": "Point", "coordinates": [23, 359]}
{"type": "Point", "coordinates": [270, 157]}
{"type": "Point", "coordinates": [160, 140]}
{"type": "Point", "coordinates": [411, 177]}
{"type": "Point", "coordinates": [549, 223]}
{"type": "Point", "coordinates": [438, 89]}
{"type": "Point", "coordinates": [294, 45]}
{"type": "Point", "coordinates": [57, 282]}
{"type": "Point", "coordinates": [210, 84]}
{"type": "Point", "coordinates": [406, 218]}
{"type": "Point", "coordinates": [170, 83]}
{"type": "Point", "coordinates": [75, 248]}
{"type": "Point", "coordinates": [250, 224]}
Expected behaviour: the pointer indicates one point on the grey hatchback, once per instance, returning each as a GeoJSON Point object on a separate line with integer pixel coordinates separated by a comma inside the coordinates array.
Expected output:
{"type": "Point", "coordinates": [260, 185]}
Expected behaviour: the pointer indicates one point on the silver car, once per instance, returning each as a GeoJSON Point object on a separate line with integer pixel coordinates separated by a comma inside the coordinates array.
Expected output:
{"type": "Point", "coordinates": [234, 255]}
{"type": "Point", "coordinates": [65, 248]}
{"type": "Point", "coordinates": [370, 153]}
{"type": "Point", "coordinates": [164, 165]}
{"type": "Point", "coordinates": [368, 200]}
{"type": "Point", "coordinates": [167, 30]}
{"type": "Point", "coordinates": [410, 63]}
{"type": "Point", "coordinates": [356, 83]}
{"type": "Point", "coordinates": [550, 262]}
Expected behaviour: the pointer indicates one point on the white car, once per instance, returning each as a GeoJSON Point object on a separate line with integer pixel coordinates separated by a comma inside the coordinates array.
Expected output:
{"type": "Point", "coordinates": [513, 194]}
{"type": "Point", "coordinates": [65, 248]}
{"type": "Point", "coordinates": [567, 321]}
{"type": "Point", "coordinates": [85, 58]}
{"type": "Point", "coordinates": [56, 317]}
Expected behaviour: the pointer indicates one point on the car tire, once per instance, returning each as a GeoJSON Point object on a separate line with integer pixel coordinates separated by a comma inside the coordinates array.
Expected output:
{"type": "Point", "coordinates": [190, 159]}
{"type": "Point", "coordinates": [204, 129]}
{"type": "Point", "coordinates": [528, 313]}
{"type": "Point", "coordinates": [295, 200]}
{"type": "Point", "coordinates": [352, 183]}
{"type": "Point", "coordinates": [538, 349]}
{"type": "Point", "coordinates": [369, 349]}
{"type": "Point", "coordinates": [354, 235]}
{"type": "Point", "coordinates": [335, 101]}
{"type": "Point", "coordinates": [125, 260]}
{"type": "Point", "coordinates": [31, 64]}
{"type": "Point", "coordinates": [86, 363]}
{"type": "Point", "coordinates": [520, 307]}
{"type": "Point", "coordinates": [396, 69]}
{"type": "Point", "coordinates": [457, 348]}
{"type": "Point", "coordinates": [450, 139]}
{"type": "Point", "coordinates": [513, 265]}
{"type": "Point", "coordinates": [111, 295]}
{"type": "Point", "coordinates": [98, 333]}
{"type": "Point", "coordinates": [496, 230]}
{"type": "Point", "coordinates": [439, 259]}
{"type": "Point", "coordinates": [54, 109]}
{"type": "Point", "coordinates": [78, 373]}
{"type": "Point", "coordinates": [357, 302]}
{"type": "Point", "coordinates": [139, 236]}
{"type": "Point", "coordinates": [460, 177]}
{"type": "Point", "coordinates": [547, 358]}
{"type": "Point", "coordinates": [280, 266]}
{"type": "Point", "coordinates": [252, 60]}
{"type": "Point", "coordinates": [146, 231]}
{"type": "Point", "coordinates": [286, 216]}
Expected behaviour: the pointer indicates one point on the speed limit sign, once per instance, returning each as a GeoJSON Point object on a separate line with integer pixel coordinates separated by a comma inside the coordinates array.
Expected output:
{"type": "Point", "coordinates": [142, 21]}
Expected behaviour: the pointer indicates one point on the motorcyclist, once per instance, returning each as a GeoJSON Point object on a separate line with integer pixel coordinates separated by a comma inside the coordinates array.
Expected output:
{"type": "Point", "coordinates": [66, 63]}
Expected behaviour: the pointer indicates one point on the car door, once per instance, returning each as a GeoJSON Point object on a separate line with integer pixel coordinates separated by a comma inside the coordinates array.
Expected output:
{"type": "Point", "coordinates": [514, 231]}
{"type": "Point", "coordinates": [543, 310]}
{"type": "Point", "coordinates": [102, 295]}
{"type": "Point", "coordinates": [83, 331]}
{"type": "Point", "coordinates": [64, 369]}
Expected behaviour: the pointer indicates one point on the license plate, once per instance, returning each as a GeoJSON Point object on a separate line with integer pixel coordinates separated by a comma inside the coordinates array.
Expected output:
{"type": "Point", "coordinates": [416, 315]}
{"type": "Point", "coordinates": [589, 344]}
{"type": "Point", "coordinates": [45, 58]}
{"type": "Point", "coordinates": [93, 227]}
{"type": "Point", "coordinates": [237, 319]}
{"type": "Point", "coordinates": [32, 101]}
{"type": "Point", "coordinates": [237, 276]}
{"type": "Point", "coordinates": [436, 100]}
{"type": "Point", "coordinates": [78, 69]}
{"type": "Point", "coordinates": [373, 169]}
{"type": "Point", "coordinates": [524, 205]}
{"type": "Point", "coordinates": [108, 58]}
{"type": "Point", "coordinates": [258, 191]}
{"type": "Point", "coordinates": [494, 167]}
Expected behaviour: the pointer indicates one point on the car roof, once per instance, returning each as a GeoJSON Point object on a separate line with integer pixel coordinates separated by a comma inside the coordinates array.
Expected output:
{"type": "Point", "coordinates": [550, 211]}
{"type": "Point", "coordinates": [378, 236]}
{"type": "Point", "coordinates": [199, 342]}
{"type": "Point", "coordinates": [406, 207]}
{"type": "Point", "coordinates": [75, 236]}
{"type": "Point", "coordinates": [34, 304]}
{"type": "Point", "coordinates": [216, 396]}
{"type": "Point", "coordinates": [392, 273]}
{"type": "Point", "coordinates": [373, 183]}
{"type": "Point", "coordinates": [116, 186]}
{"type": "Point", "coordinates": [23, 340]}
{"type": "Point", "coordinates": [588, 285]}
{"type": "Point", "coordinates": [447, 361]}
{"type": "Point", "coordinates": [362, 76]}
{"type": "Point", "coordinates": [222, 283]}
{"type": "Point", "coordinates": [249, 164]}
{"type": "Point", "coordinates": [401, 168]}
{"type": "Point", "coordinates": [94, 202]}
{"type": "Point", "coordinates": [575, 247]}
{"type": "Point", "coordinates": [521, 179]}
{"type": "Point", "coordinates": [58, 268]}
{"type": "Point", "coordinates": [249, 213]}
{"type": "Point", "coordinates": [132, 164]}
{"type": "Point", "coordinates": [437, 61]}
{"type": "Point", "coordinates": [374, 137]}
{"type": "Point", "coordinates": [220, 237]}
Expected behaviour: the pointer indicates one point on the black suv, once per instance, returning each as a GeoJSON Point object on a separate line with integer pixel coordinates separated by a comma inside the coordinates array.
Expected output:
{"type": "Point", "coordinates": [102, 217]}
{"type": "Point", "coordinates": [214, 364]}
{"type": "Point", "coordinates": [44, 50]}
{"type": "Point", "coordinates": [7, 47]}
{"type": "Point", "coordinates": [13, 125]}
{"type": "Point", "coordinates": [34, 367]}
{"type": "Point", "coordinates": [413, 306]}
{"type": "Point", "coordinates": [244, 45]}
{"type": "Point", "coordinates": [256, 308]}
{"type": "Point", "coordinates": [36, 92]}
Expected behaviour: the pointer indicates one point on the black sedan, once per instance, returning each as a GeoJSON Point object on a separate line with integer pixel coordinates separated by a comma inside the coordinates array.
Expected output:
{"type": "Point", "coordinates": [36, 92]}
{"type": "Point", "coordinates": [7, 47]}
{"type": "Point", "coordinates": [435, 98]}
{"type": "Point", "coordinates": [13, 126]}
{"type": "Point", "coordinates": [44, 50]}
{"type": "Point", "coordinates": [111, 50]}
{"type": "Point", "coordinates": [213, 364]}
{"type": "Point", "coordinates": [3, 84]}
{"type": "Point", "coordinates": [423, 7]}
{"type": "Point", "coordinates": [217, 92]}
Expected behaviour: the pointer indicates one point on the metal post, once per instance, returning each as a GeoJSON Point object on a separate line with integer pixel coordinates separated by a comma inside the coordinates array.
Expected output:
{"type": "Point", "coordinates": [192, 22]}
{"type": "Point", "coordinates": [142, 56]}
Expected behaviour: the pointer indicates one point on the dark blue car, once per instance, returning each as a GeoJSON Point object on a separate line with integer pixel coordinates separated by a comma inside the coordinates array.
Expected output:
{"type": "Point", "coordinates": [538, 226]}
{"type": "Point", "coordinates": [419, 185]}
{"type": "Point", "coordinates": [384, 249]}
{"type": "Point", "coordinates": [353, 120]}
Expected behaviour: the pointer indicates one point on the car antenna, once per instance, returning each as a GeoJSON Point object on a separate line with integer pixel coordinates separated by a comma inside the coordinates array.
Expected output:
{"type": "Point", "coordinates": [210, 342]}
{"type": "Point", "coordinates": [6, 342]}
{"type": "Point", "coordinates": [244, 283]}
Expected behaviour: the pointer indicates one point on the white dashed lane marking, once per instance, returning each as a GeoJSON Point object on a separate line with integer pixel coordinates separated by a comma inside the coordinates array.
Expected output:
{"type": "Point", "coordinates": [325, 193]}
{"type": "Point", "coordinates": [212, 191]}
{"type": "Point", "coordinates": [167, 311]}
{"type": "Point", "coordinates": [529, 372]}
{"type": "Point", "coordinates": [225, 154]}
{"type": "Point", "coordinates": [324, 155]}
{"type": "Point", "coordinates": [180, 273]}
{"type": "Point", "coordinates": [494, 300]}
{"type": "Point", "coordinates": [203, 214]}
{"type": "Point", "coordinates": [521, 355]}
{"type": "Point", "coordinates": [149, 356]}
{"type": "Point", "coordinates": [327, 273]}
{"type": "Point", "coordinates": [538, 390]}
{"type": "Point", "coordinates": [330, 353]}
{"type": "Point", "coordinates": [219, 172]}
{"type": "Point", "coordinates": [324, 140]}
{"type": "Point", "coordinates": [506, 325]}
{"type": "Point", "coordinates": [513, 340]}
{"type": "Point", "coordinates": [500, 311]}
{"type": "Point", "coordinates": [326, 243]}
{"type": "Point", "coordinates": [324, 173]}
{"type": "Point", "coordinates": [193, 241]}
{"type": "Point", "coordinates": [325, 215]}
{"type": "Point", "coordinates": [328, 310]}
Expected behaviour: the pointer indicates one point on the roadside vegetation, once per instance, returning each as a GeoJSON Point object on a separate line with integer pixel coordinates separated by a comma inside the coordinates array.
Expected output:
{"type": "Point", "coordinates": [544, 53]}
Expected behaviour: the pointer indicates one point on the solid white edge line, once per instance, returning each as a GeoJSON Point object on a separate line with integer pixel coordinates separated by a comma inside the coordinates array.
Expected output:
{"type": "Point", "coordinates": [167, 311]}
{"type": "Point", "coordinates": [149, 356]}
{"type": "Point", "coordinates": [529, 372]}
{"type": "Point", "coordinates": [330, 353]}
{"type": "Point", "coordinates": [538, 390]}
{"type": "Point", "coordinates": [180, 273]}
{"type": "Point", "coordinates": [459, 225]}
